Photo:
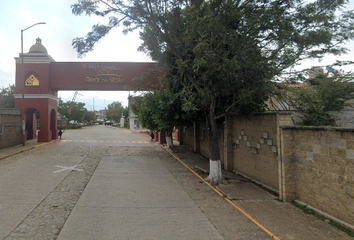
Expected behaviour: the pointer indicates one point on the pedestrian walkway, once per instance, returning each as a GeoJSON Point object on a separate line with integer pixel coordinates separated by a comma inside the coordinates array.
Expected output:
{"type": "Point", "coordinates": [30, 144]}
{"type": "Point", "coordinates": [101, 141]}
{"type": "Point", "coordinates": [281, 219]}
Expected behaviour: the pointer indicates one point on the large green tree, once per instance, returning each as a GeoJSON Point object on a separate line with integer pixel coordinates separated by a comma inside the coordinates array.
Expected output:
{"type": "Point", "coordinates": [221, 54]}
{"type": "Point", "coordinates": [7, 99]}
{"type": "Point", "coordinates": [90, 116]}
{"type": "Point", "coordinates": [115, 111]}
{"type": "Point", "coordinates": [160, 110]}
{"type": "Point", "coordinates": [77, 110]}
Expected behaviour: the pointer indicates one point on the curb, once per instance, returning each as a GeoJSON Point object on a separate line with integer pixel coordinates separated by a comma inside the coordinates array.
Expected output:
{"type": "Point", "coordinates": [27, 149]}
{"type": "Point", "coordinates": [272, 235]}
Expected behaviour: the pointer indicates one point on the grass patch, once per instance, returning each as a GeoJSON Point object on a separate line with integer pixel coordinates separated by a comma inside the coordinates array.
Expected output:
{"type": "Point", "coordinates": [308, 210]}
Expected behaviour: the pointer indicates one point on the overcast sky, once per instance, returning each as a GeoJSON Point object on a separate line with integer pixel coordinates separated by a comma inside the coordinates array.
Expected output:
{"type": "Point", "coordinates": [57, 34]}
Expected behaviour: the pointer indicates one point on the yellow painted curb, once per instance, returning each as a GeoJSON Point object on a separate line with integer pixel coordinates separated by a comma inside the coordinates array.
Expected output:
{"type": "Point", "coordinates": [226, 198]}
{"type": "Point", "coordinates": [26, 149]}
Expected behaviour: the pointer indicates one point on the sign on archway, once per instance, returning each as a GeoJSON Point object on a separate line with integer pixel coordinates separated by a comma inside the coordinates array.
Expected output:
{"type": "Point", "coordinates": [100, 76]}
{"type": "Point", "coordinates": [39, 78]}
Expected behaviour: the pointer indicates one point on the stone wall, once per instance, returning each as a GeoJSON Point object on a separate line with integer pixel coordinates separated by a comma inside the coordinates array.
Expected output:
{"type": "Point", "coordinates": [247, 146]}
{"type": "Point", "coordinates": [10, 127]}
{"type": "Point", "coordinates": [187, 134]}
{"type": "Point", "coordinates": [256, 144]}
{"type": "Point", "coordinates": [312, 165]}
{"type": "Point", "coordinates": [196, 138]}
{"type": "Point", "coordinates": [319, 165]}
{"type": "Point", "coordinates": [203, 141]}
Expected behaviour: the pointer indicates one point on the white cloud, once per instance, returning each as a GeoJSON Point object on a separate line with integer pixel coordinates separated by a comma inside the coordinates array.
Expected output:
{"type": "Point", "coordinates": [56, 20]}
{"type": "Point", "coordinates": [6, 49]}
{"type": "Point", "coordinates": [61, 27]}
{"type": "Point", "coordinates": [26, 16]}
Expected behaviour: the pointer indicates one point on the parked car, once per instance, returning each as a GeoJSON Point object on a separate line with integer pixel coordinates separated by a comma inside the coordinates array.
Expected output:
{"type": "Point", "coordinates": [108, 123]}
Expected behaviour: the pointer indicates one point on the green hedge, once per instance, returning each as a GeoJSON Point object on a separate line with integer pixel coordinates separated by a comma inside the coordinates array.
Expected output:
{"type": "Point", "coordinates": [74, 126]}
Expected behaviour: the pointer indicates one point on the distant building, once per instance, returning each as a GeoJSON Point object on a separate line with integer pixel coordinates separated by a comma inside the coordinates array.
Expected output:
{"type": "Point", "coordinates": [100, 115]}
{"type": "Point", "coordinates": [134, 124]}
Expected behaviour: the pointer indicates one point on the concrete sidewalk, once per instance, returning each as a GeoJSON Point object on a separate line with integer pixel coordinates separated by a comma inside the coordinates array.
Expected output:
{"type": "Point", "coordinates": [282, 219]}
{"type": "Point", "coordinates": [30, 144]}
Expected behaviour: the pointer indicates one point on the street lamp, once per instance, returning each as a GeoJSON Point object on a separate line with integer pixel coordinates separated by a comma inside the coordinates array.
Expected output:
{"type": "Point", "coordinates": [22, 30]}
{"type": "Point", "coordinates": [93, 103]}
{"type": "Point", "coordinates": [23, 90]}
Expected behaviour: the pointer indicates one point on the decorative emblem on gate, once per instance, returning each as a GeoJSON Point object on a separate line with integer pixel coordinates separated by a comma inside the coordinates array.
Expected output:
{"type": "Point", "coordinates": [31, 81]}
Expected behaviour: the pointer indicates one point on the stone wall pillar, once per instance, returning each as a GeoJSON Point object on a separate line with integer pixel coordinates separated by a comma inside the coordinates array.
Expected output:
{"type": "Point", "coordinates": [287, 170]}
{"type": "Point", "coordinates": [156, 136]}
{"type": "Point", "coordinates": [162, 137]}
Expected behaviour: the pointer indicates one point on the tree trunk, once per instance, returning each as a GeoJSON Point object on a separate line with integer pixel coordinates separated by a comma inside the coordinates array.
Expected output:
{"type": "Point", "coordinates": [215, 175]}
{"type": "Point", "coordinates": [169, 139]}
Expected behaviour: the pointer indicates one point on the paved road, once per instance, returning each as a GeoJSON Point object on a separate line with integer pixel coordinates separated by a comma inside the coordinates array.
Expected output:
{"type": "Point", "coordinates": [106, 183]}
{"type": "Point", "coordinates": [103, 136]}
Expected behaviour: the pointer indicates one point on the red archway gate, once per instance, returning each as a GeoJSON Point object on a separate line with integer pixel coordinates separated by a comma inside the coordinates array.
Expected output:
{"type": "Point", "coordinates": [99, 75]}
{"type": "Point", "coordinates": [39, 78]}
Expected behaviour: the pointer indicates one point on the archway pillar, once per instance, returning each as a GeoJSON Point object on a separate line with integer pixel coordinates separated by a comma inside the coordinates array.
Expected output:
{"type": "Point", "coordinates": [48, 122]}
{"type": "Point", "coordinates": [162, 137]}
{"type": "Point", "coordinates": [44, 133]}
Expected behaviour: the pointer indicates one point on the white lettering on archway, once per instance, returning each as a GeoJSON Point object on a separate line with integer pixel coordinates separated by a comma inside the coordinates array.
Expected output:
{"type": "Point", "coordinates": [102, 68]}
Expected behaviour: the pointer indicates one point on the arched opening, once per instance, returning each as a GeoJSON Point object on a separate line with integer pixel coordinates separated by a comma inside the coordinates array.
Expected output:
{"type": "Point", "coordinates": [31, 116]}
{"type": "Point", "coordinates": [53, 123]}
{"type": "Point", "coordinates": [39, 78]}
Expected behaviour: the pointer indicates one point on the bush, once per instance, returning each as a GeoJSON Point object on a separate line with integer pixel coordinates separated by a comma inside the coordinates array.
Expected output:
{"type": "Point", "coordinates": [322, 95]}
{"type": "Point", "coordinates": [74, 126]}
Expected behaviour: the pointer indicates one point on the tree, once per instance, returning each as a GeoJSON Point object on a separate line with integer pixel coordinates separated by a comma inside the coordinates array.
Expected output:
{"type": "Point", "coordinates": [222, 54]}
{"type": "Point", "coordinates": [320, 96]}
{"type": "Point", "coordinates": [63, 107]}
{"type": "Point", "coordinates": [160, 110]}
{"type": "Point", "coordinates": [7, 99]}
{"type": "Point", "coordinates": [77, 112]}
{"type": "Point", "coordinates": [115, 111]}
{"type": "Point", "coordinates": [141, 107]}
{"type": "Point", "coordinates": [90, 116]}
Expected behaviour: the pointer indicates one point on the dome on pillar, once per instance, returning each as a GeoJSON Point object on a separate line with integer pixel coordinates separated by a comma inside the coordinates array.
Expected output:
{"type": "Point", "coordinates": [38, 47]}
